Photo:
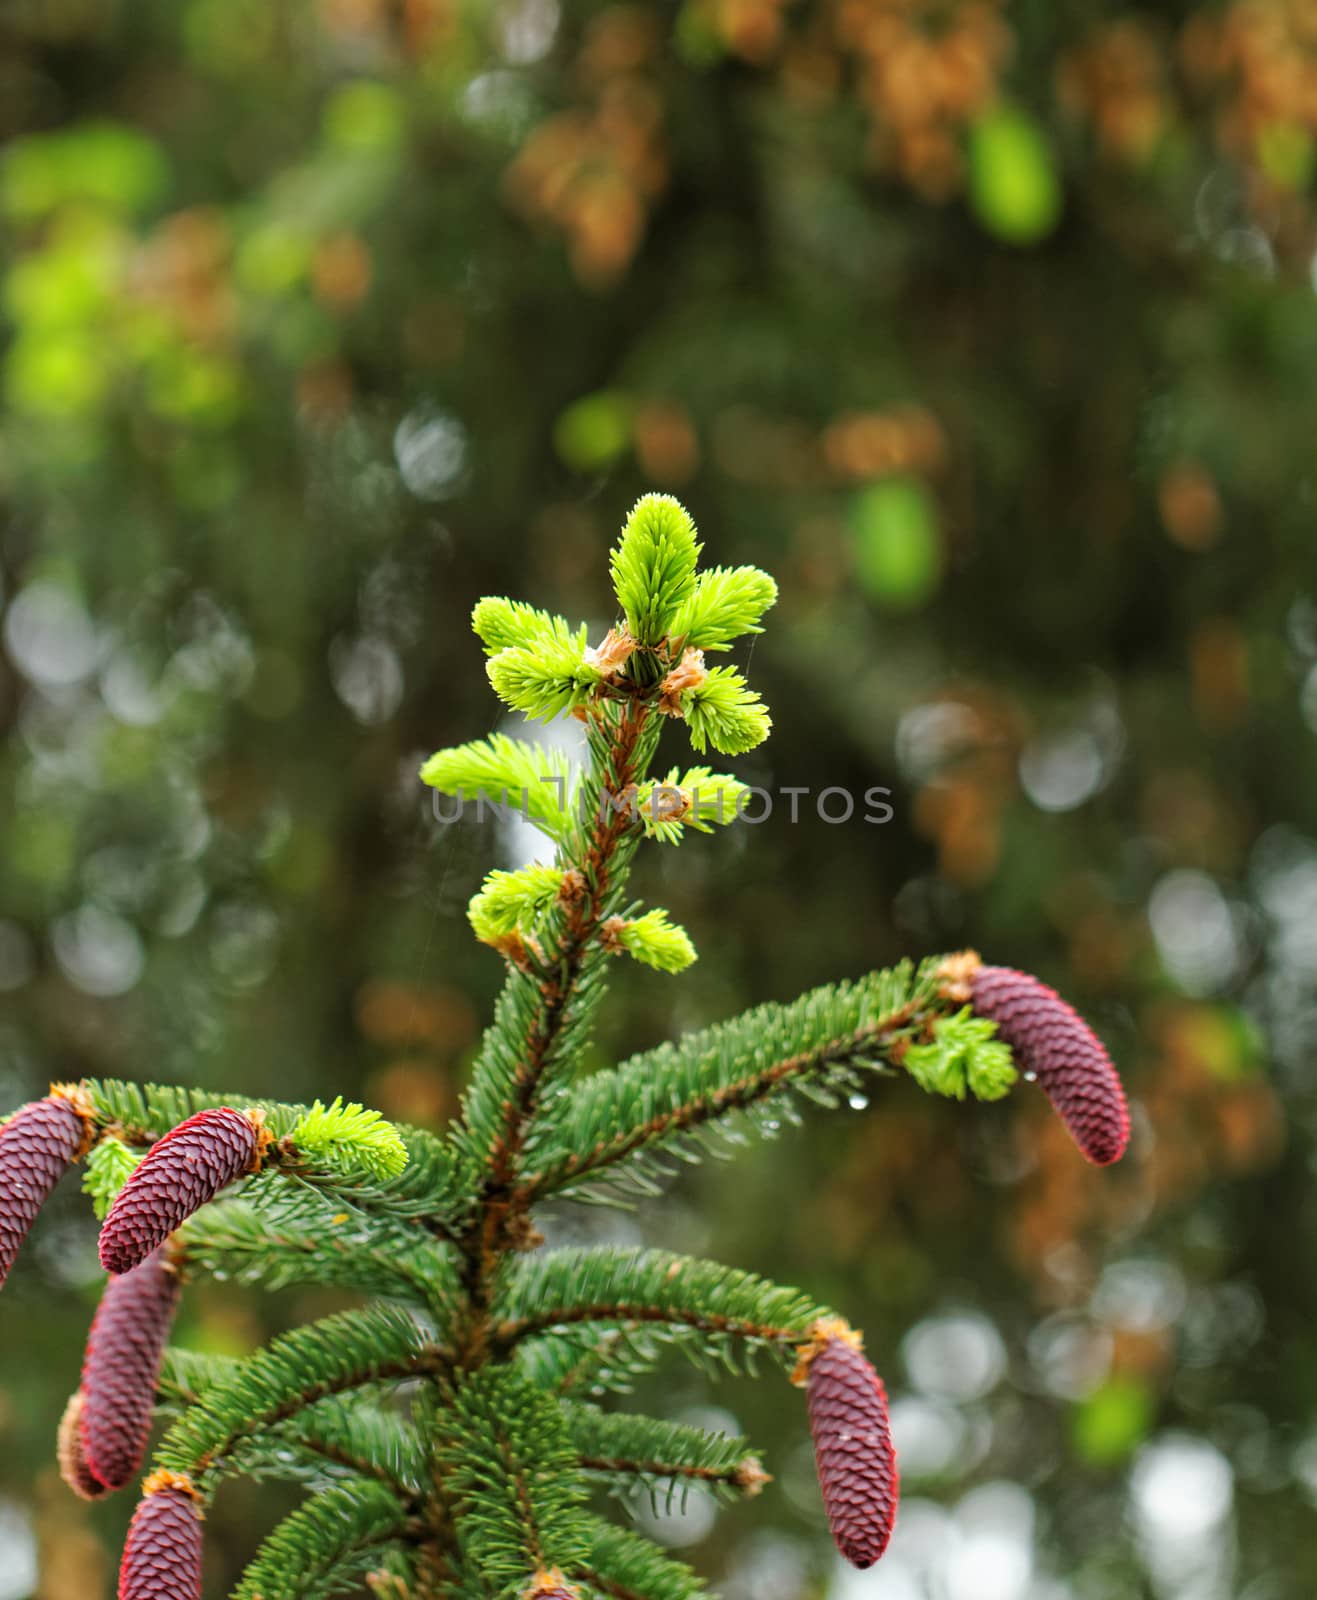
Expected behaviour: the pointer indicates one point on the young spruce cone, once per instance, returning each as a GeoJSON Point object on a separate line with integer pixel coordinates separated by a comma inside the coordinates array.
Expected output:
{"type": "Point", "coordinates": [1053, 1042]}
{"type": "Point", "coordinates": [852, 1441]}
{"type": "Point", "coordinates": [72, 1458]}
{"type": "Point", "coordinates": [550, 1584]}
{"type": "Point", "coordinates": [37, 1147]}
{"type": "Point", "coordinates": [178, 1175]}
{"type": "Point", "coordinates": [122, 1365]}
{"type": "Point", "coordinates": [162, 1555]}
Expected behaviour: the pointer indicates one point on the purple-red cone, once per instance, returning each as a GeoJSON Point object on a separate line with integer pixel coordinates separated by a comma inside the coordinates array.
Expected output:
{"type": "Point", "coordinates": [549, 1584]}
{"type": "Point", "coordinates": [162, 1556]}
{"type": "Point", "coordinates": [1053, 1042]}
{"type": "Point", "coordinates": [177, 1176]}
{"type": "Point", "coordinates": [72, 1457]}
{"type": "Point", "coordinates": [852, 1441]}
{"type": "Point", "coordinates": [122, 1366]}
{"type": "Point", "coordinates": [37, 1147]}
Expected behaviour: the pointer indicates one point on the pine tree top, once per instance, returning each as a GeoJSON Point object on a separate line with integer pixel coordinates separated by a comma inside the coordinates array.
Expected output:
{"type": "Point", "coordinates": [446, 1427]}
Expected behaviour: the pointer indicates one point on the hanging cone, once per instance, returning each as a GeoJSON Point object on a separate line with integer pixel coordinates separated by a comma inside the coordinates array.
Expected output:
{"type": "Point", "coordinates": [69, 1453]}
{"type": "Point", "coordinates": [37, 1147]}
{"type": "Point", "coordinates": [1053, 1042]}
{"type": "Point", "coordinates": [122, 1365]}
{"type": "Point", "coordinates": [177, 1176]}
{"type": "Point", "coordinates": [852, 1441]}
{"type": "Point", "coordinates": [162, 1554]}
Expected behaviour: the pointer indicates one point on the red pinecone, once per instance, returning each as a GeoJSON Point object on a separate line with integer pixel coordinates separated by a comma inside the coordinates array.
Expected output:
{"type": "Point", "coordinates": [162, 1555]}
{"type": "Point", "coordinates": [69, 1453]}
{"type": "Point", "coordinates": [1053, 1042]}
{"type": "Point", "coordinates": [550, 1585]}
{"type": "Point", "coordinates": [852, 1443]}
{"type": "Point", "coordinates": [122, 1365]}
{"type": "Point", "coordinates": [37, 1147]}
{"type": "Point", "coordinates": [178, 1175]}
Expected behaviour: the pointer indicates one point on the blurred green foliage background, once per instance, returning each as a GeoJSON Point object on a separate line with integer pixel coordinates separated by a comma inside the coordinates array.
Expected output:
{"type": "Point", "coordinates": [990, 330]}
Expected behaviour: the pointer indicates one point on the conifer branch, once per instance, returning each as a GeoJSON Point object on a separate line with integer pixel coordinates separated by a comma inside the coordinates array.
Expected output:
{"type": "Point", "coordinates": [625, 1566]}
{"type": "Point", "coordinates": [653, 566]}
{"type": "Point", "coordinates": [510, 1475]}
{"type": "Point", "coordinates": [362, 1438]}
{"type": "Point", "coordinates": [358, 1438]}
{"type": "Point", "coordinates": [584, 1360]}
{"type": "Point", "coordinates": [628, 1451]}
{"type": "Point", "coordinates": [140, 1114]}
{"type": "Point", "coordinates": [536, 1015]}
{"type": "Point", "coordinates": [542, 1021]}
{"type": "Point", "coordinates": [725, 604]}
{"type": "Point", "coordinates": [267, 1237]}
{"type": "Point", "coordinates": [816, 1046]}
{"type": "Point", "coordinates": [186, 1374]}
{"type": "Point", "coordinates": [696, 798]}
{"type": "Point", "coordinates": [326, 1545]}
{"type": "Point", "coordinates": [502, 624]}
{"type": "Point", "coordinates": [350, 1138]}
{"type": "Point", "coordinates": [500, 771]}
{"type": "Point", "coordinates": [586, 1285]}
{"type": "Point", "coordinates": [296, 1370]}
{"type": "Point", "coordinates": [543, 1016]}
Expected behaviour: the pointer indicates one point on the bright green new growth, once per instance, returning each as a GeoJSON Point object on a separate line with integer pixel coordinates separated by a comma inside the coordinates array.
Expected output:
{"type": "Point", "coordinates": [696, 798]}
{"type": "Point", "coordinates": [499, 771]}
{"type": "Point", "coordinates": [351, 1136]}
{"type": "Point", "coordinates": [510, 901]}
{"type": "Point", "coordinates": [657, 942]}
{"type": "Point", "coordinates": [545, 678]}
{"type": "Point", "coordinates": [511, 624]}
{"type": "Point", "coordinates": [964, 1053]}
{"type": "Point", "coordinates": [110, 1164]}
{"type": "Point", "coordinates": [725, 712]}
{"type": "Point", "coordinates": [726, 603]}
{"type": "Point", "coordinates": [445, 1429]}
{"type": "Point", "coordinates": [653, 567]}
